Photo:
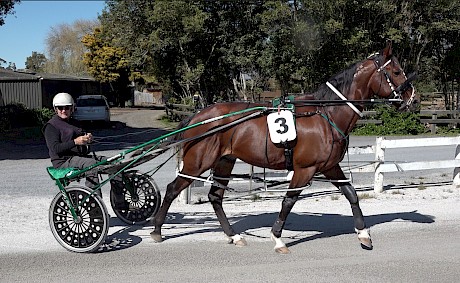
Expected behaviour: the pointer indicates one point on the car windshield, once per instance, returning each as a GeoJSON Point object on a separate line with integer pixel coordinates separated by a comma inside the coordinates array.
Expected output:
{"type": "Point", "coordinates": [90, 102]}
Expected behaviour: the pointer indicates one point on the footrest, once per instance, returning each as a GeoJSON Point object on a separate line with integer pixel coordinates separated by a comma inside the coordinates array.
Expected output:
{"type": "Point", "coordinates": [59, 173]}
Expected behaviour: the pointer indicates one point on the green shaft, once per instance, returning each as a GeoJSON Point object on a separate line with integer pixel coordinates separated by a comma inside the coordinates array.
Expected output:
{"type": "Point", "coordinates": [207, 121]}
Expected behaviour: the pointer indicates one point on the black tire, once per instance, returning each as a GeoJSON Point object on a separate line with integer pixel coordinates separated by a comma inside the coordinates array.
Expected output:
{"type": "Point", "coordinates": [89, 231]}
{"type": "Point", "coordinates": [144, 204]}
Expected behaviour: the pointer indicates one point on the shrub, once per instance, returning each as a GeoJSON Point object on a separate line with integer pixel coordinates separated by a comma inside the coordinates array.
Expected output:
{"type": "Point", "coordinates": [393, 123]}
{"type": "Point", "coordinates": [13, 116]}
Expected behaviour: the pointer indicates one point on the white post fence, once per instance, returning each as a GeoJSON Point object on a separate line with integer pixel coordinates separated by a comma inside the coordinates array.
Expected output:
{"type": "Point", "coordinates": [379, 166]}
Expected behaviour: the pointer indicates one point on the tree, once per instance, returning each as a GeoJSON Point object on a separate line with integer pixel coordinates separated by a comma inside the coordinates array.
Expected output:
{"type": "Point", "coordinates": [65, 49]}
{"type": "Point", "coordinates": [11, 66]}
{"type": "Point", "coordinates": [213, 47]}
{"type": "Point", "coordinates": [36, 62]}
{"type": "Point", "coordinates": [6, 7]}
{"type": "Point", "coordinates": [107, 64]}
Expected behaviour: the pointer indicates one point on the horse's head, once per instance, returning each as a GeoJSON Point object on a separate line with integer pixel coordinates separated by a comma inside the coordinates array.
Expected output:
{"type": "Point", "coordinates": [389, 81]}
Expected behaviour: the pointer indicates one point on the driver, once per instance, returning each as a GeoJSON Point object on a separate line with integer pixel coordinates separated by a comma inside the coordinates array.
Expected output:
{"type": "Point", "coordinates": [68, 146]}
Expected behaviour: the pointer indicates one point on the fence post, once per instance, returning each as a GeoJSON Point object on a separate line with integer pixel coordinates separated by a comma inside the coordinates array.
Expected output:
{"type": "Point", "coordinates": [379, 159]}
{"type": "Point", "coordinates": [456, 180]}
{"type": "Point", "coordinates": [186, 195]}
{"type": "Point", "coordinates": [433, 126]}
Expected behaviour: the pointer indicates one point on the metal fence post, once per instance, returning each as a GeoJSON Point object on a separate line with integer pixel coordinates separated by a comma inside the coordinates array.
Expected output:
{"type": "Point", "coordinates": [456, 180]}
{"type": "Point", "coordinates": [379, 159]}
{"type": "Point", "coordinates": [186, 195]}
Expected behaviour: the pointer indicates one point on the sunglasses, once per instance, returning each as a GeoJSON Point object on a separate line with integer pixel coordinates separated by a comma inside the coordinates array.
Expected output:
{"type": "Point", "coordinates": [63, 107]}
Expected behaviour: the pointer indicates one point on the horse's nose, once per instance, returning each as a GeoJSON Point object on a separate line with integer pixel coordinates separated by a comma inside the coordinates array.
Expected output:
{"type": "Point", "coordinates": [415, 105]}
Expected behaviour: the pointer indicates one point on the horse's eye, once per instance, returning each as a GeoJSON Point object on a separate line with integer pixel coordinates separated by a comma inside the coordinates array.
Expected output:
{"type": "Point", "coordinates": [397, 73]}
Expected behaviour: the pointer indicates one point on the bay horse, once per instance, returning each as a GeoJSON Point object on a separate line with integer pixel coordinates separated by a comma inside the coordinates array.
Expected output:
{"type": "Point", "coordinates": [321, 142]}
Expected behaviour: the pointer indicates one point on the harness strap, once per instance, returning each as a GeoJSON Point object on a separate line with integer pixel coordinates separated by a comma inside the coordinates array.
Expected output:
{"type": "Point", "coordinates": [333, 125]}
{"type": "Point", "coordinates": [336, 91]}
{"type": "Point", "coordinates": [288, 153]}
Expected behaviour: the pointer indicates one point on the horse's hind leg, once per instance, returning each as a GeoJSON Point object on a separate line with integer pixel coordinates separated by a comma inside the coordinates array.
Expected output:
{"type": "Point", "coordinates": [172, 191]}
{"type": "Point", "coordinates": [350, 193]}
{"type": "Point", "coordinates": [300, 179]}
{"type": "Point", "coordinates": [223, 170]}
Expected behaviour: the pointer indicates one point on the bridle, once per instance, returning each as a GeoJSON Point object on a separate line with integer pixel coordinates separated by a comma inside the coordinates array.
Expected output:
{"type": "Point", "coordinates": [396, 93]}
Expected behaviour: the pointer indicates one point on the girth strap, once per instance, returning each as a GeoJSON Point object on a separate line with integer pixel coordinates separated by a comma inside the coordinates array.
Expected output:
{"type": "Point", "coordinates": [288, 154]}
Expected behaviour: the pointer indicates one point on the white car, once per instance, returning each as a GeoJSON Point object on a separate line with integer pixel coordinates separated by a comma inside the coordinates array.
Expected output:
{"type": "Point", "coordinates": [92, 108]}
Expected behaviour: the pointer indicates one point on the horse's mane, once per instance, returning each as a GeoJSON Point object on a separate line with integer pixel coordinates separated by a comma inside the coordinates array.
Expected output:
{"type": "Point", "coordinates": [341, 80]}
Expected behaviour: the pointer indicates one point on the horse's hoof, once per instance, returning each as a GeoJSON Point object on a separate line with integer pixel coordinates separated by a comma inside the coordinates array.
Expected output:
{"type": "Point", "coordinates": [156, 237]}
{"type": "Point", "coordinates": [280, 247]}
{"type": "Point", "coordinates": [240, 243]}
{"type": "Point", "coordinates": [364, 237]}
{"type": "Point", "coordinates": [282, 250]}
{"type": "Point", "coordinates": [366, 244]}
{"type": "Point", "coordinates": [237, 240]}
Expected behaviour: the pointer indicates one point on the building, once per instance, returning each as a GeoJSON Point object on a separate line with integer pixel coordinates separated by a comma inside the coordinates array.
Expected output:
{"type": "Point", "coordinates": [36, 90]}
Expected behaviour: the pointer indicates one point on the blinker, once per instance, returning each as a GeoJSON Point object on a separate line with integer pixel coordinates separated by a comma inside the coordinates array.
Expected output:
{"type": "Point", "coordinates": [407, 84]}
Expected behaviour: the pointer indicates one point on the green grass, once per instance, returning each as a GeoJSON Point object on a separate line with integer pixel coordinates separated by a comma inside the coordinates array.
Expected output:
{"type": "Point", "coordinates": [365, 196]}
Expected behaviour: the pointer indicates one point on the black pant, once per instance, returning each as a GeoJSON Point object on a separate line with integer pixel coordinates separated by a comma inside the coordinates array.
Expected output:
{"type": "Point", "coordinates": [92, 178]}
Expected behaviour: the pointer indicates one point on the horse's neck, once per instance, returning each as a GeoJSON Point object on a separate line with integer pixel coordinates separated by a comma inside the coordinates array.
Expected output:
{"type": "Point", "coordinates": [343, 115]}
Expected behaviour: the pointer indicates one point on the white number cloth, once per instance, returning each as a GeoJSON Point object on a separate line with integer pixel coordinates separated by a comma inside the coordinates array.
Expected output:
{"type": "Point", "coordinates": [281, 126]}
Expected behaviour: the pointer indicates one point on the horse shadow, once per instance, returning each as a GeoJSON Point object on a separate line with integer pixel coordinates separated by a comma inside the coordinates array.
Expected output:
{"type": "Point", "coordinates": [124, 238]}
{"type": "Point", "coordinates": [325, 225]}
{"type": "Point", "coordinates": [120, 239]}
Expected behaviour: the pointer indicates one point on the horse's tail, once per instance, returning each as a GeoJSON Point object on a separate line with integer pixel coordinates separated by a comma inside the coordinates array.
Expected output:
{"type": "Point", "coordinates": [184, 123]}
{"type": "Point", "coordinates": [179, 136]}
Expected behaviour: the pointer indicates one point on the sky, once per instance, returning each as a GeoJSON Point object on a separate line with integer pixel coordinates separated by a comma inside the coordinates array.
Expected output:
{"type": "Point", "coordinates": [26, 30]}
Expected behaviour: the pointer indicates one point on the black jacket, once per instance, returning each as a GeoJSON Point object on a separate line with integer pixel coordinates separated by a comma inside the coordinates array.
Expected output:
{"type": "Point", "coordinates": [59, 135]}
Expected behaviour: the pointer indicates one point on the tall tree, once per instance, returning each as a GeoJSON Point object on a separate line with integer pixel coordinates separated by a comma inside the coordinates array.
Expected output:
{"type": "Point", "coordinates": [65, 49]}
{"type": "Point", "coordinates": [36, 62]}
{"type": "Point", "coordinates": [107, 64]}
{"type": "Point", "coordinates": [217, 47]}
{"type": "Point", "coordinates": [6, 8]}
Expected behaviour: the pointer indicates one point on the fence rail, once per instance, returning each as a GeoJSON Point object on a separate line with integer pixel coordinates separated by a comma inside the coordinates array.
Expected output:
{"type": "Point", "coordinates": [379, 166]}
{"type": "Point", "coordinates": [383, 144]}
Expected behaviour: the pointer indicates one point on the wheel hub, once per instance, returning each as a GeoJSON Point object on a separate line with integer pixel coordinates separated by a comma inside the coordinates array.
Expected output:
{"type": "Point", "coordinates": [78, 220]}
{"type": "Point", "coordinates": [135, 198]}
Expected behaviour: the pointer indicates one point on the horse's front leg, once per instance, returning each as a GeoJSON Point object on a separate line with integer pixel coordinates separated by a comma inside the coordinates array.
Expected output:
{"type": "Point", "coordinates": [222, 172]}
{"type": "Point", "coordinates": [299, 179]}
{"type": "Point", "coordinates": [364, 235]}
{"type": "Point", "coordinates": [350, 193]}
{"type": "Point", "coordinates": [172, 191]}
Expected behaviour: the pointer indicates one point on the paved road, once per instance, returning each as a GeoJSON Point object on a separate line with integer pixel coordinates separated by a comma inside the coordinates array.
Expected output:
{"type": "Point", "coordinates": [415, 232]}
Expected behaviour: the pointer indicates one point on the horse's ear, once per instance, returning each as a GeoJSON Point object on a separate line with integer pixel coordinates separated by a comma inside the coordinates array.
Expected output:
{"type": "Point", "coordinates": [387, 52]}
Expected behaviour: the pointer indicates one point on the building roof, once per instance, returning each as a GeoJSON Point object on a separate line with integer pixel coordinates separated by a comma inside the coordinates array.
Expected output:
{"type": "Point", "coordinates": [25, 75]}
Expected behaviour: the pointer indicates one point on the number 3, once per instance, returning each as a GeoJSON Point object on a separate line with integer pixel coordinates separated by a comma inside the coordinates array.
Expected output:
{"type": "Point", "coordinates": [283, 125]}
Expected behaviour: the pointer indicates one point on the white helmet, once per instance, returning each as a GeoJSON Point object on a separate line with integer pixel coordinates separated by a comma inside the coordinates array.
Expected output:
{"type": "Point", "coordinates": [62, 99]}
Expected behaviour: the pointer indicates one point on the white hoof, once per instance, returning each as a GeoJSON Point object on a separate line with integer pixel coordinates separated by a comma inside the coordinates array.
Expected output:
{"type": "Point", "coordinates": [237, 240]}
{"type": "Point", "coordinates": [364, 237]}
{"type": "Point", "coordinates": [280, 247]}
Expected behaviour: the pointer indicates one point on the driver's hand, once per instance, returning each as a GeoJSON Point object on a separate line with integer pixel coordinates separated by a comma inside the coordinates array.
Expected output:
{"type": "Point", "coordinates": [82, 140]}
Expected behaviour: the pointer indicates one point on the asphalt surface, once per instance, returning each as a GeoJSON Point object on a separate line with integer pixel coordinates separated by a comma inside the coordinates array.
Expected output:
{"type": "Point", "coordinates": [414, 224]}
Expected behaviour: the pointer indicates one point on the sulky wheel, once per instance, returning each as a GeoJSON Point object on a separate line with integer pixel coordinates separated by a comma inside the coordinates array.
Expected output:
{"type": "Point", "coordinates": [142, 196]}
{"type": "Point", "coordinates": [88, 231]}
